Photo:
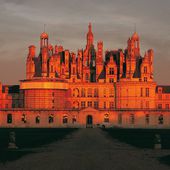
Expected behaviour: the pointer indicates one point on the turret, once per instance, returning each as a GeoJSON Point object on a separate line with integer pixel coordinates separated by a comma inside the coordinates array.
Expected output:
{"type": "Point", "coordinates": [30, 66]}
{"type": "Point", "coordinates": [43, 40]}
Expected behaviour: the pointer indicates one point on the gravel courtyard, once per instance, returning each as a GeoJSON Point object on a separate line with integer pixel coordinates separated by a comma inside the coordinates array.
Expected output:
{"type": "Point", "coordinates": [89, 149]}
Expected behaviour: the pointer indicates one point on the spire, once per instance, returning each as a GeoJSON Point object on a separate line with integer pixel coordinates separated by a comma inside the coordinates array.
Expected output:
{"type": "Point", "coordinates": [90, 28]}
{"type": "Point", "coordinates": [44, 27]}
{"type": "Point", "coordinates": [89, 36]}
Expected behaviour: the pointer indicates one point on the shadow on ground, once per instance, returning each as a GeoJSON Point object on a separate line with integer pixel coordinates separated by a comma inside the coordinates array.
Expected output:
{"type": "Point", "coordinates": [27, 139]}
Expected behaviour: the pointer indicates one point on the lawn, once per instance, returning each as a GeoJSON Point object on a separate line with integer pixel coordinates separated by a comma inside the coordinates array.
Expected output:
{"type": "Point", "coordinates": [27, 138]}
{"type": "Point", "coordinates": [141, 138]}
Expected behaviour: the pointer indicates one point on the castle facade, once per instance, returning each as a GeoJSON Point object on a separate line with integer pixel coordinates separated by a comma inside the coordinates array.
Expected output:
{"type": "Point", "coordinates": [89, 89]}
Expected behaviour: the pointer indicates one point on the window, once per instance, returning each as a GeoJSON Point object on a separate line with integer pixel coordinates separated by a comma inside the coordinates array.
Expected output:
{"type": "Point", "coordinates": [83, 104]}
{"type": "Point", "coordinates": [159, 89]}
{"type": "Point", "coordinates": [111, 71]}
{"type": "Point", "coordinates": [96, 104]}
{"type": "Point", "coordinates": [51, 118]}
{"type": "Point", "coordinates": [145, 79]}
{"type": "Point", "coordinates": [106, 118]}
{"type": "Point", "coordinates": [147, 119]}
{"type": "Point", "coordinates": [167, 106]}
{"type": "Point", "coordinates": [89, 103]}
{"type": "Point", "coordinates": [76, 92]}
{"type": "Point", "coordinates": [147, 92]}
{"type": "Point", "coordinates": [160, 119]}
{"type": "Point", "coordinates": [141, 92]}
{"type": "Point", "coordinates": [65, 119]}
{"type": "Point", "coordinates": [145, 70]}
{"type": "Point", "coordinates": [159, 106]}
{"type": "Point", "coordinates": [75, 104]}
{"type": "Point", "coordinates": [89, 92]}
{"type": "Point", "coordinates": [96, 92]}
{"type": "Point", "coordinates": [9, 118]}
{"type": "Point", "coordinates": [37, 119]}
{"type": "Point", "coordinates": [120, 118]}
{"type": "Point", "coordinates": [111, 80]}
{"type": "Point", "coordinates": [132, 118]}
{"type": "Point", "coordinates": [111, 105]}
{"type": "Point", "coordinates": [23, 118]}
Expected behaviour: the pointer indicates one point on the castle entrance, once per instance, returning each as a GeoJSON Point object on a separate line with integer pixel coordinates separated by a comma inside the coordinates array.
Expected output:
{"type": "Point", "coordinates": [89, 121]}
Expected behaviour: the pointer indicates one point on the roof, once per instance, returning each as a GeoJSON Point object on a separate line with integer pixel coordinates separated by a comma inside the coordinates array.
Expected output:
{"type": "Point", "coordinates": [137, 73]}
{"type": "Point", "coordinates": [102, 74]}
{"type": "Point", "coordinates": [165, 89]}
{"type": "Point", "coordinates": [14, 89]}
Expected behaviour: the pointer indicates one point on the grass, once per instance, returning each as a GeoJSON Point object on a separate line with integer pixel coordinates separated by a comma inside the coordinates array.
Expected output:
{"type": "Point", "coordinates": [27, 138]}
{"type": "Point", "coordinates": [141, 138]}
{"type": "Point", "coordinates": [165, 160]}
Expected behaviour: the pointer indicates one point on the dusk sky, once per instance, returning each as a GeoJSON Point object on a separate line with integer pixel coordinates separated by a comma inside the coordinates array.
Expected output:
{"type": "Point", "coordinates": [21, 23]}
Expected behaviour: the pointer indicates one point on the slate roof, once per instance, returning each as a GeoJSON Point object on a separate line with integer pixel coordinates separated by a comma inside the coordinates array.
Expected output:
{"type": "Point", "coordinates": [14, 89]}
{"type": "Point", "coordinates": [165, 89]}
{"type": "Point", "coordinates": [102, 74]}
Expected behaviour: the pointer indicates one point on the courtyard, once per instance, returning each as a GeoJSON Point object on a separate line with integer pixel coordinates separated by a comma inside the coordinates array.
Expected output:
{"type": "Point", "coordinates": [84, 149]}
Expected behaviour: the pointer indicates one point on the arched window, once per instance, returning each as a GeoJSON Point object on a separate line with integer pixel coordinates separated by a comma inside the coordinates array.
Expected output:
{"type": "Point", "coordinates": [37, 119]}
{"type": "Point", "coordinates": [120, 118]}
{"type": "Point", "coordinates": [106, 118]}
{"type": "Point", "coordinates": [65, 119]}
{"type": "Point", "coordinates": [76, 92]}
{"type": "Point", "coordinates": [23, 118]}
{"type": "Point", "coordinates": [160, 119]}
{"type": "Point", "coordinates": [75, 104]}
{"type": "Point", "coordinates": [9, 118]}
{"type": "Point", "coordinates": [132, 118]}
{"type": "Point", "coordinates": [147, 119]}
{"type": "Point", "coordinates": [51, 118]}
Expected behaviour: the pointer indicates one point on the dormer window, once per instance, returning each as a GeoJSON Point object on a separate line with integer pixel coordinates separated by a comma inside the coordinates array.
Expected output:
{"type": "Point", "coordinates": [111, 71]}
{"type": "Point", "coordinates": [145, 70]}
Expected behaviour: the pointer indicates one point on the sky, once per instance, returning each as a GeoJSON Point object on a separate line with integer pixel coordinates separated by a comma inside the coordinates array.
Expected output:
{"type": "Point", "coordinates": [22, 22]}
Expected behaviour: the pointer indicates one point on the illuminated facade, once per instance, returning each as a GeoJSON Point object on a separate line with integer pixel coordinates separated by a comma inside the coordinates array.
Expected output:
{"type": "Point", "coordinates": [92, 88]}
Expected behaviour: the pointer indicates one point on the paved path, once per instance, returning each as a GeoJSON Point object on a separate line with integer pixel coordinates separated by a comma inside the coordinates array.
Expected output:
{"type": "Point", "coordinates": [89, 149]}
